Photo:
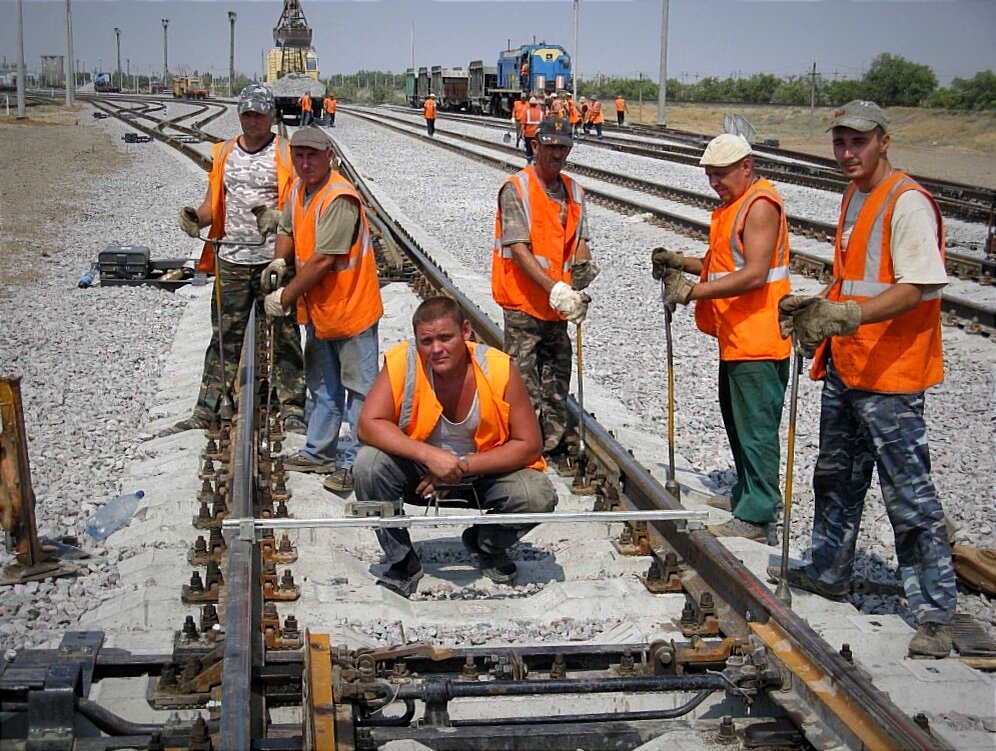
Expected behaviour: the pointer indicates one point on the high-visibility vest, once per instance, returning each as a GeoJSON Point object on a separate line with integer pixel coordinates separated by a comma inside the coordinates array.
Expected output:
{"type": "Point", "coordinates": [330, 105]}
{"type": "Point", "coordinates": [531, 120]}
{"type": "Point", "coordinates": [552, 244]}
{"type": "Point", "coordinates": [746, 325]}
{"type": "Point", "coordinates": [306, 103]}
{"type": "Point", "coordinates": [620, 104]}
{"type": "Point", "coordinates": [430, 109]}
{"type": "Point", "coordinates": [347, 300]}
{"type": "Point", "coordinates": [904, 354]}
{"type": "Point", "coordinates": [572, 112]}
{"type": "Point", "coordinates": [556, 108]}
{"type": "Point", "coordinates": [595, 115]}
{"type": "Point", "coordinates": [417, 410]}
{"type": "Point", "coordinates": [519, 108]}
{"type": "Point", "coordinates": [216, 181]}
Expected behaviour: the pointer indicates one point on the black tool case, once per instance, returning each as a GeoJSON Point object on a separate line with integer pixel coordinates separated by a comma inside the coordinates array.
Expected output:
{"type": "Point", "coordinates": [124, 262]}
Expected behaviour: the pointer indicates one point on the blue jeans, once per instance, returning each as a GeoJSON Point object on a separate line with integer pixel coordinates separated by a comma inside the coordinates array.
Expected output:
{"type": "Point", "coordinates": [339, 372]}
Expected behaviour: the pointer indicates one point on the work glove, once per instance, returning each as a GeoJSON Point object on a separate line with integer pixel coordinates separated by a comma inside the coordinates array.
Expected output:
{"type": "Point", "coordinates": [677, 287]}
{"type": "Point", "coordinates": [571, 303]}
{"type": "Point", "coordinates": [584, 273]}
{"type": "Point", "coordinates": [277, 266]}
{"type": "Point", "coordinates": [189, 221]}
{"type": "Point", "coordinates": [663, 259]}
{"type": "Point", "coordinates": [813, 319]}
{"type": "Point", "coordinates": [272, 306]}
{"type": "Point", "coordinates": [266, 220]}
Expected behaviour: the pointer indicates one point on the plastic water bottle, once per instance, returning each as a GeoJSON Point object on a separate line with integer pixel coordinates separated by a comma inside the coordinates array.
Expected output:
{"type": "Point", "coordinates": [113, 515]}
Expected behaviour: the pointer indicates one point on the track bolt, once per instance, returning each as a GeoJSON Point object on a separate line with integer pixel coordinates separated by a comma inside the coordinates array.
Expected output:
{"type": "Point", "coordinates": [559, 669]}
{"type": "Point", "coordinates": [168, 675]}
{"type": "Point", "coordinates": [470, 669]}
{"type": "Point", "coordinates": [627, 665]}
{"type": "Point", "coordinates": [217, 540]}
{"type": "Point", "coordinates": [200, 545]}
{"type": "Point", "coordinates": [191, 669]}
{"type": "Point", "coordinates": [922, 722]}
{"type": "Point", "coordinates": [282, 512]}
{"type": "Point", "coordinates": [290, 630]}
{"type": "Point", "coordinates": [688, 616]}
{"type": "Point", "coordinates": [287, 580]}
{"type": "Point", "coordinates": [845, 652]}
{"type": "Point", "coordinates": [214, 577]}
{"type": "Point", "coordinates": [200, 739]}
{"type": "Point", "coordinates": [727, 730]}
{"type": "Point", "coordinates": [196, 585]}
{"type": "Point", "coordinates": [285, 544]}
{"type": "Point", "coordinates": [209, 617]}
{"type": "Point", "coordinates": [205, 513]}
{"type": "Point", "coordinates": [190, 628]}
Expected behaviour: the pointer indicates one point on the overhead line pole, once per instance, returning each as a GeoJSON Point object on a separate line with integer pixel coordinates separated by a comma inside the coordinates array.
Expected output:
{"type": "Point", "coordinates": [231, 53]}
{"type": "Point", "coordinates": [71, 68]}
{"type": "Point", "coordinates": [662, 83]}
{"type": "Point", "coordinates": [21, 73]}
{"type": "Point", "coordinates": [574, 63]}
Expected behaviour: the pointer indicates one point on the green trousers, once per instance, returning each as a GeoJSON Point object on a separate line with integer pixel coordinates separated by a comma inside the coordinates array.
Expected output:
{"type": "Point", "coordinates": [751, 394]}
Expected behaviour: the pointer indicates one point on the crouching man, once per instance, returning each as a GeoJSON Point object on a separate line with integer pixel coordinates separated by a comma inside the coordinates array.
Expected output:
{"type": "Point", "coordinates": [447, 412]}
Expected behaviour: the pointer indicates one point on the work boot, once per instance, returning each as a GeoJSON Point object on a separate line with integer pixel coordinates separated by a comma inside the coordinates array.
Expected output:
{"type": "Point", "coordinates": [498, 567]}
{"type": "Point", "coordinates": [722, 502]}
{"type": "Point", "coordinates": [800, 579]}
{"type": "Point", "coordinates": [931, 640]}
{"type": "Point", "coordinates": [295, 424]}
{"type": "Point", "coordinates": [739, 528]}
{"type": "Point", "coordinates": [340, 481]}
{"type": "Point", "coordinates": [301, 462]}
{"type": "Point", "coordinates": [399, 582]}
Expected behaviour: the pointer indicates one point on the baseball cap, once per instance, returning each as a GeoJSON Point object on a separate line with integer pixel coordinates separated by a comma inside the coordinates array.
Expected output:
{"type": "Point", "coordinates": [256, 98]}
{"type": "Point", "coordinates": [859, 114]}
{"type": "Point", "coordinates": [533, 100]}
{"type": "Point", "coordinates": [724, 150]}
{"type": "Point", "coordinates": [555, 131]}
{"type": "Point", "coordinates": [311, 137]}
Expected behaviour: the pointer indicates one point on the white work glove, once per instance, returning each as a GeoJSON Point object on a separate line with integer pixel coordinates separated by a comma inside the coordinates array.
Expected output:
{"type": "Point", "coordinates": [271, 304]}
{"type": "Point", "coordinates": [573, 305]}
{"type": "Point", "coordinates": [277, 266]}
{"type": "Point", "coordinates": [189, 221]}
{"type": "Point", "coordinates": [266, 220]}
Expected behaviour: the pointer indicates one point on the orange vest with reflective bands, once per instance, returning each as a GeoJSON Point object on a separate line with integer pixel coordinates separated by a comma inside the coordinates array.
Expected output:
{"type": "Point", "coordinates": [531, 118]}
{"type": "Point", "coordinates": [572, 112]}
{"type": "Point", "coordinates": [552, 243]}
{"type": "Point", "coordinates": [346, 301]}
{"type": "Point", "coordinates": [620, 104]}
{"type": "Point", "coordinates": [330, 105]}
{"type": "Point", "coordinates": [595, 115]}
{"type": "Point", "coordinates": [556, 108]}
{"type": "Point", "coordinates": [899, 356]}
{"type": "Point", "coordinates": [430, 109]}
{"type": "Point", "coordinates": [519, 110]}
{"type": "Point", "coordinates": [417, 410]}
{"type": "Point", "coordinates": [216, 181]}
{"type": "Point", "coordinates": [305, 102]}
{"type": "Point", "coordinates": [747, 325]}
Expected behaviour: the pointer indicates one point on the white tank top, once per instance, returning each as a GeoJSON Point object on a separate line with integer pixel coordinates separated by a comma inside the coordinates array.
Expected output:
{"type": "Point", "coordinates": [457, 437]}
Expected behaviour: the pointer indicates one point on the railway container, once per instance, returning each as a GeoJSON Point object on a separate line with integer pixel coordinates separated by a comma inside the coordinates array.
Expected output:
{"type": "Point", "coordinates": [482, 79]}
{"type": "Point", "coordinates": [411, 88]}
{"type": "Point", "coordinates": [423, 86]}
{"type": "Point", "coordinates": [450, 87]}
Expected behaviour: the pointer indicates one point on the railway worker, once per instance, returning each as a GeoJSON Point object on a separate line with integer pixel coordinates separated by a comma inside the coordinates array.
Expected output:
{"type": "Point", "coordinates": [581, 127]}
{"type": "Point", "coordinates": [519, 108]}
{"type": "Point", "coordinates": [429, 110]}
{"type": "Point", "coordinates": [596, 118]}
{"type": "Point", "coordinates": [329, 105]}
{"type": "Point", "coordinates": [742, 277]}
{"type": "Point", "coordinates": [573, 116]}
{"type": "Point", "coordinates": [876, 332]}
{"type": "Point", "coordinates": [251, 170]}
{"type": "Point", "coordinates": [621, 110]}
{"type": "Point", "coordinates": [307, 114]}
{"type": "Point", "coordinates": [323, 232]}
{"type": "Point", "coordinates": [524, 82]}
{"type": "Point", "coordinates": [541, 259]}
{"type": "Point", "coordinates": [531, 120]}
{"type": "Point", "coordinates": [447, 411]}
{"type": "Point", "coordinates": [557, 106]}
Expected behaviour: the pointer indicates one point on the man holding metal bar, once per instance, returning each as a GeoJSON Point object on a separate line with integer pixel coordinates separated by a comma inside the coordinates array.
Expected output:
{"type": "Point", "coordinates": [449, 417]}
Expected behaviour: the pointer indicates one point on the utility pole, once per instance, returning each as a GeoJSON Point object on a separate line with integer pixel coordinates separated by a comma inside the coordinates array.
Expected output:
{"type": "Point", "coordinates": [641, 98]}
{"type": "Point", "coordinates": [117, 34]}
{"type": "Point", "coordinates": [20, 63]}
{"type": "Point", "coordinates": [812, 102]}
{"type": "Point", "coordinates": [70, 70]}
{"type": "Point", "coordinates": [231, 52]}
{"type": "Point", "coordinates": [574, 62]}
{"type": "Point", "coordinates": [413, 47]}
{"type": "Point", "coordinates": [662, 84]}
{"type": "Point", "coordinates": [165, 50]}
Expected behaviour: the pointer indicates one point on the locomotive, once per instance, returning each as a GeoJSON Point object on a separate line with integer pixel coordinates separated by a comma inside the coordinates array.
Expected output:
{"type": "Point", "coordinates": [538, 69]}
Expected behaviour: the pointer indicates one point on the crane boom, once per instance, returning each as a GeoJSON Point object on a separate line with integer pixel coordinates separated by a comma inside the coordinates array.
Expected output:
{"type": "Point", "coordinates": [292, 29]}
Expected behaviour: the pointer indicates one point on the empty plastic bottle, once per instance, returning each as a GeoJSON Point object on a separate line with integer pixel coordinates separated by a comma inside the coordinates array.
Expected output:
{"type": "Point", "coordinates": [113, 515]}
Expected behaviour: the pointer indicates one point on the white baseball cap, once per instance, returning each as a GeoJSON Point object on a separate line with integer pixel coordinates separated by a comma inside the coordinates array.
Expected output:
{"type": "Point", "coordinates": [724, 150]}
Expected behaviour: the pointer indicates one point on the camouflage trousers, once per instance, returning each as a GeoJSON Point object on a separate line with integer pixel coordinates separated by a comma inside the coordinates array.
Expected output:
{"type": "Point", "coordinates": [860, 431]}
{"type": "Point", "coordinates": [542, 352]}
{"type": "Point", "coordinates": [239, 289]}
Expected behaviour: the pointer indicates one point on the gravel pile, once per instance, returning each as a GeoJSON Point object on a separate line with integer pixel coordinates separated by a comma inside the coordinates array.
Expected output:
{"type": "Point", "coordinates": [625, 352]}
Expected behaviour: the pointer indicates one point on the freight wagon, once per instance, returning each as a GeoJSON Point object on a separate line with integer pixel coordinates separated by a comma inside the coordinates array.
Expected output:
{"type": "Point", "coordinates": [450, 87]}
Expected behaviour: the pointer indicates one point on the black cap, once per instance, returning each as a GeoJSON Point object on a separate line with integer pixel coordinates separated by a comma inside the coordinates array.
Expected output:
{"type": "Point", "coordinates": [555, 131]}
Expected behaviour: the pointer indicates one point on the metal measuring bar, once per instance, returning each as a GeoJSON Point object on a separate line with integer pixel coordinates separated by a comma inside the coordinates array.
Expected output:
{"type": "Point", "coordinates": [251, 528]}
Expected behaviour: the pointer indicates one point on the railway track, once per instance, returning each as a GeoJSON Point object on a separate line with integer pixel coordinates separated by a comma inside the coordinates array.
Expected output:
{"type": "Point", "coordinates": [247, 667]}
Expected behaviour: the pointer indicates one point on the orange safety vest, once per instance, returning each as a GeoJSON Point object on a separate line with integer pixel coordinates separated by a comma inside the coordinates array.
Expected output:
{"type": "Point", "coordinates": [417, 410]}
{"type": "Point", "coordinates": [746, 325]}
{"type": "Point", "coordinates": [902, 355]}
{"type": "Point", "coordinates": [552, 244]}
{"type": "Point", "coordinates": [346, 301]}
{"type": "Point", "coordinates": [430, 109]}
{"type": "Point", "coordinates": [556, 108]}
{"type": "Point", "coordinates": [216, 181]}
{"type": "Point", "coordinates": [518, 110]}
{"type": "Point", "coordinates": [595, 115]}
{"type": "Point", "coordinates": [531, 119]}
{"type": "Point", "coordinates": [330, 105]}
{"type": "Point", "coordinates": [305, 102]}
{"type": "Point", "coordinates": [572, 112]}
{"type": "Point", "coordinates": [620, 104]}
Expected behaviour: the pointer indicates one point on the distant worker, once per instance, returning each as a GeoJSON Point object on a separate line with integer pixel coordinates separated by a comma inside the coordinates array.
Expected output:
{"type": "Point", "coordinates": [621, 110]}
{"type": "Point", "coordinates": [447, 412]}
{"type": "Point", "coordinates": [742, 278]}
{"type": "Point", "coordinates": [249, 171]}
{"type": "Point", "coordinates": [429, 110]}
{"type": "Point", "coordinates": [530, 125]}
{"type": "Point", "coordinates": [876, 332]}
{"type": "Point", "coordinates": [581, 127]}
{"type": "Point", "coordinates": [596, 118]}
{"type": "Point", "coordinates": [557, 106]}
{"type": "Point", "coordinates": [519, 107]}
{"type": "Point", "coordinates": [573, 116]}
{"type": "Point", "coordinates": [307, 115]}
{"type": "Point", "coordinates": [324, 233]}
{"type": "Point", "coordinates": [541, 261]}
{"type": "Point", "coordinates": [329, 105]}
{"type": "Point", "coordinates": [524, 82]}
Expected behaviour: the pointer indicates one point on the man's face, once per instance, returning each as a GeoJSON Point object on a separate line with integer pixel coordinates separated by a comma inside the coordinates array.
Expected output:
{"type": "Point", "coordinates": [730, 182]}
{"type": "Point", "coordinates": [550, 159]}
{"type": "Point", "coordinates": [255, 125]}
{"type": "Point", "coordinates": [440, 344]}
{"type": "Point", "coordinates": [311, 165]}
{"type": "Point", "coordinates": [859, 153]}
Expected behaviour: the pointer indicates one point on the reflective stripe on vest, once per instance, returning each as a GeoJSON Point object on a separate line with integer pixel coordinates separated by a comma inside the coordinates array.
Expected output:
{"type": "Point", "coordinates": [411, 368]}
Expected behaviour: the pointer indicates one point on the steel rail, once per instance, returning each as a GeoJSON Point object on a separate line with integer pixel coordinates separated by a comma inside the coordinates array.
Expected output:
{"type": "Point", "coordinates": [875, 720]}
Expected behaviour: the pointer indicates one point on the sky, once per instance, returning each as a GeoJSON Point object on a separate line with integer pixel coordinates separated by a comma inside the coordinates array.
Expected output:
{"type": "Point", "coordinates": [616, 37]}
